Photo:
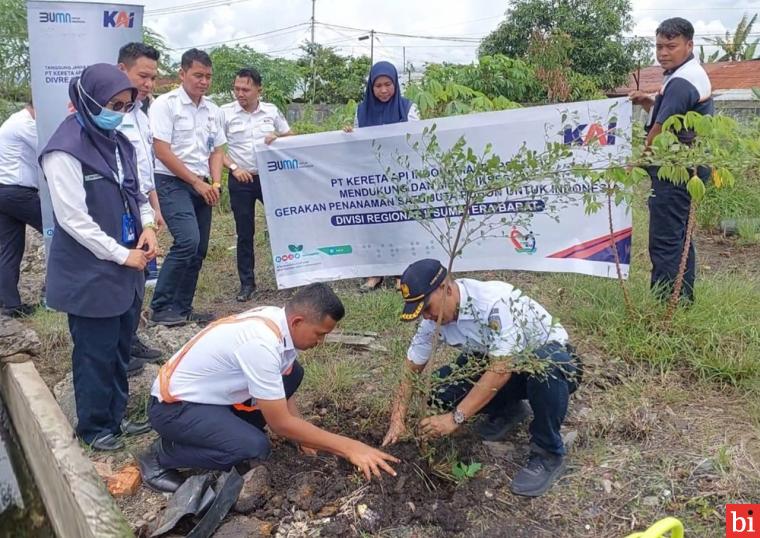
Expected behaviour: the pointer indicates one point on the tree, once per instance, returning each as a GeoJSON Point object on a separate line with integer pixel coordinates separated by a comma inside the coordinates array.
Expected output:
{"type": "Point", "coordinates": [734, 48]}
{"type": "Point", "coordinates": [280, 77]}
{"type": "Point", "coordinates": [594, 27]}
{"type": "Point", "coordinates": [338, 79]}
{"type": "Point", "coordinates": [157, 41]}
{"type": "Point", "coordinates": [14, 52]}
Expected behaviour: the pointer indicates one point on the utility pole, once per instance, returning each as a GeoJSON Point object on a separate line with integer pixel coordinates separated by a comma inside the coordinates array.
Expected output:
{"type": "Point", "coordinates": [313, 53]}
{"type": "Point", "coordinates": [371, 47]}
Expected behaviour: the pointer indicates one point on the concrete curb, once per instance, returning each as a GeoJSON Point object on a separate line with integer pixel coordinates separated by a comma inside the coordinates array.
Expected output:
{"type": "Point", "coordinates": [75, 498]}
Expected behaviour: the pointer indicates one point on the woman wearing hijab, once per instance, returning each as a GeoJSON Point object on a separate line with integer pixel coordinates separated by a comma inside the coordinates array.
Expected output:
{"type": "Point", "coordinates": [382, 105]}
{"type": "Point", "coordinates": [104, 236]}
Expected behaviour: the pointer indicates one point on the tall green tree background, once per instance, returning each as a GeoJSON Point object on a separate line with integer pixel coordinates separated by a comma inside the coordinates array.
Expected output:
{"type": "Point", "coordinates": [594, 29]}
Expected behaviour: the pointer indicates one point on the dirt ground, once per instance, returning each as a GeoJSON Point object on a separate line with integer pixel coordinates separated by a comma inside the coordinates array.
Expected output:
{"type": "Point", "coordinates": [647, 444]}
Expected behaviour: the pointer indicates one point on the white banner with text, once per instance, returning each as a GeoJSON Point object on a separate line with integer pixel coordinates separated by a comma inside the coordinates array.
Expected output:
{"type": "Point", "coordinates": [338, 204]}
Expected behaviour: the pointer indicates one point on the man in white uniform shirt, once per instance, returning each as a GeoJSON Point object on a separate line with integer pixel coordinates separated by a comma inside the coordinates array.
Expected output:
{"type": "Point", "coordinates": [19, 203]}
{"type": "Point", "coordinates": [494, 326]}
{"type": "Point", "coordinates": [188, 138]}
{"type": "Point", "coordinates": [212, 400]}
{"type": "Point", "coordinates": [248, 121]}
{"type": "Point", "coordinates": [140, 63]}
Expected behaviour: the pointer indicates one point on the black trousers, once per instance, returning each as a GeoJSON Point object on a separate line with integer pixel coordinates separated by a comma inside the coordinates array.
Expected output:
{"type": "Point", "coordinates": [188, 218]}
{"type": "Point", "coordinates": [99, 364]}
{"type": "Point", "coordinates": [548, 394]}
{"type": "Point", "coordinates": [668, 217]}
{"type": "Point", "coordinates": [243, 198]}
{"type": "Point", "coordinates": [217, 437]}
{"type": "Point", "coordinates": [19, 208]}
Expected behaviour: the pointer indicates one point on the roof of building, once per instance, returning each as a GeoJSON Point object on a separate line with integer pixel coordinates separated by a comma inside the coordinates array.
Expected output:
{"type": "Point", "coordinates": [723, 76]}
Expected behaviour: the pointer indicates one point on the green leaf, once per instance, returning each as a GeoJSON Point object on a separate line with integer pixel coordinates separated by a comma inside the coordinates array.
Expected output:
{"type": "Point", "coordinates": [696, 188]}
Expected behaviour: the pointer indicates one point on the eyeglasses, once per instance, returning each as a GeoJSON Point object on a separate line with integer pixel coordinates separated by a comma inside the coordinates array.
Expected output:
{"type": "Point", "coordinates": [121, 106]}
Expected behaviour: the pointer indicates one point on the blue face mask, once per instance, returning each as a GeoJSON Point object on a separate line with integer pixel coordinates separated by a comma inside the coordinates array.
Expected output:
{"type": "Point", "coordinates": [107, 119]}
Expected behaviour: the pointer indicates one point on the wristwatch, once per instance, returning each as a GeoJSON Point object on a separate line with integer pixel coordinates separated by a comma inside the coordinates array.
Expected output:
{"type": "Point", "coordinates": [459, 417]}
{"type": "Point", "coordinates": [233, 167]}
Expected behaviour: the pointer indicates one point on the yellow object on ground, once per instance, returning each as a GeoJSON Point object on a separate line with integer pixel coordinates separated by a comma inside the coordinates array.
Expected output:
{"type": "Point", "coordinates": [658, 530]}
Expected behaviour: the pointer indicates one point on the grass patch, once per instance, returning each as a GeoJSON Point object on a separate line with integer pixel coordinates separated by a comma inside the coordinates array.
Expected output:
{"type": "Point", "coordinates": [737, 202]}
{"type": "Point", "coordinates": [718, 337]}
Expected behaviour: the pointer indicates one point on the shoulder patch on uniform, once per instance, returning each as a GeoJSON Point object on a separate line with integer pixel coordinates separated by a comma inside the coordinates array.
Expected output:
{"type": "Point", "coordinates": [494, 320]}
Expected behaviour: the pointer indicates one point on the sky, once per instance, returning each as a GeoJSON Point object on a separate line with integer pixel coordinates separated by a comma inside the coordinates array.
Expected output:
{"type": "Point", "coordinates": [284, 24]}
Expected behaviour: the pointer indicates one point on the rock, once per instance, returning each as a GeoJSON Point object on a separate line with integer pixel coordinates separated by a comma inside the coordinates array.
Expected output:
{"type": "Point", "coordinates": [651, 500]}
{"type": "Point", "coordinates": [103, 469]}
{"type": "Point", "coordinates": [244, 527]}
{"type": "Point", "coordinates": [498, 449]}
{"type": "Point", "coordinates": [257, 489]}
{"type": "Point", "coordinates": [32, 271]}
{"type": "Point", "coordinates": [169, 339]}
{"type": "Point", "coordinates": [569, 439]}
{"type": "Point", "coordinates": [607, 486]}
{"type": "Point", "coordinates": [328, 511]}
{"type": "Point", "coordinates": [17, 341]}
{"type": "Point", "coordinates": [138, 385]}
{"type": "Point", "coordinates": [124, 482]}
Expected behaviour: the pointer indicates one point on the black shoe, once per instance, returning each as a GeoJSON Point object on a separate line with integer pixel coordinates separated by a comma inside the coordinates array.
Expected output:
{"type": "Point", "coordinates": [167, 318]}
{"type": "Point", "coordinates": [153, 475]}
{"type": "Point", "coordinates": [107, 442]}
{"type": "Point", "coordinates": [129, 427]}
{"type": "Point", "coordinates": [141, 351]}
{"type": "Point", "coordinates": [20, 311]}
{"type": "Point", "coordinates": [135, 367]}
{"type": "Point", "coordinates": [201, 318]}
{"type": "Point", "coordinates": [543, 469]}
{"type": "Point", "coordinates": [495, 428]}
{"type": "Point", "coordinates": [246, 293]}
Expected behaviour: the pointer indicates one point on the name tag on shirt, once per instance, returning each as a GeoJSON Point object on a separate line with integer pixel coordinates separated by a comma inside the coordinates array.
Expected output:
{"type": "Point", "coordinates": [128, 228]}
{"type": "Point", "coordinates": [92, 177]}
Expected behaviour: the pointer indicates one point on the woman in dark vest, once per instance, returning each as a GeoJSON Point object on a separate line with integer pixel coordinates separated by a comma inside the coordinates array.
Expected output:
{"type": "Point", "coordinates": [103, 239]}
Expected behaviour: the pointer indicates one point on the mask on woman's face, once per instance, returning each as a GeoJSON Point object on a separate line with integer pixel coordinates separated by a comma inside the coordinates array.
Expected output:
{"type": "Point", "coordinates": [106, 119]}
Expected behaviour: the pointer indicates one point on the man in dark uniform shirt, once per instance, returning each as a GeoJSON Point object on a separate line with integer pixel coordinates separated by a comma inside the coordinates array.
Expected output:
{"type": "Point", "coordinates": [686, 88]}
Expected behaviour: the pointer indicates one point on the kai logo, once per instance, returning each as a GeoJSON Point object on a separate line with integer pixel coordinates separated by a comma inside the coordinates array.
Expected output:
{"type": "Point", "coordinates": [585, 134]}
{"type": "Point", "coordinates": [118, 19]}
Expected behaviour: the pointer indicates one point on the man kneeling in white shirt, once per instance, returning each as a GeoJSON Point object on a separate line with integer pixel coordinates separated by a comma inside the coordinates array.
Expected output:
{"type": "Point", "coordinates": [212, 400]}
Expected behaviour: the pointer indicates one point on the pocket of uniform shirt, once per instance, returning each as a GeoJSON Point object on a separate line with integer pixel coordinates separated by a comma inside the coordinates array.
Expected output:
{"type": "Point", "coordinates": [183, 129]}
{"type": "Point", "coordinates": [237, 132]}
{"type": "Point", "coordinates": [266, 128]}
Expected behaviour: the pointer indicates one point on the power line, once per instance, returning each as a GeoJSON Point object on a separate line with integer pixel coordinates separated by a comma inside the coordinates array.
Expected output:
{"type": "Point", "coordinates": [394, 34]}
{"type": "Point", "coordinates": [282, 31]}
{"type": "Point", "coordinates": [194, 6]}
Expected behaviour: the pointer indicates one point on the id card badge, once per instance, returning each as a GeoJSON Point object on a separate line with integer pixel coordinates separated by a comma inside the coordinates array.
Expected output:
{"type": "Point", "coordinates": [210, 143]}
{"type": "Point", "coordinates": [128, 229]}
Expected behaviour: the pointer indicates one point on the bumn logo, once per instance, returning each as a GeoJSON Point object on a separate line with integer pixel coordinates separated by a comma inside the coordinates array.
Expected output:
{"type": "Point", "coordinates": [584, 134]}
{"type": "Point", "coordinates": [118, 19]}
{"type": "Point", "coordinates": [742, 520]}
{"type": "Point", "coordinates": [285, 164]}
{"type": "Point", "coordinates": [60, 17]}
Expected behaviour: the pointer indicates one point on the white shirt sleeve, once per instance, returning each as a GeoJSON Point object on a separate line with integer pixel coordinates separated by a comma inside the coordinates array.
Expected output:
{"type": "Point", "coordinates": [161, 120]}
{"type": "Point", "coordinates": [147, 215]}
{"type": "Point", "coordinates": [28, 134]}
{"type": "Point", "coordinates": [64, 176]}
{"type": "Point", "coordinates": [221, 137]}
{"type": "Point", "coordinates": [261, 366]}
{"type": "Point", "coordinates": [422, 343]}
{"type": "Point", "coordinates": [413, 114]}
{"type": "Point", "coordinates": [281, 124]}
